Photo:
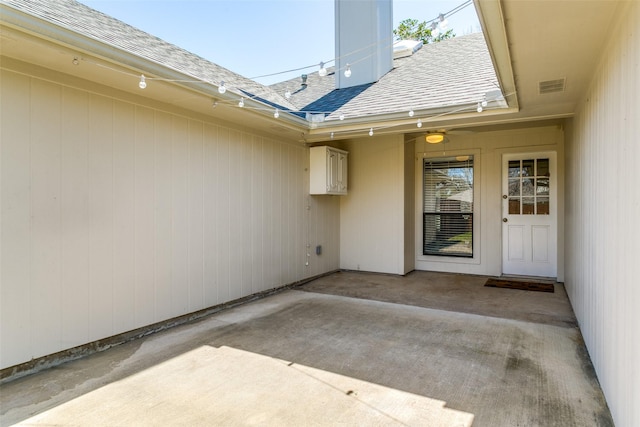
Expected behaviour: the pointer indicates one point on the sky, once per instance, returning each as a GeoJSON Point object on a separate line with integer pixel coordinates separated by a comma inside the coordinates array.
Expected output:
{"type": "Point", "coordinates": [258, 37]}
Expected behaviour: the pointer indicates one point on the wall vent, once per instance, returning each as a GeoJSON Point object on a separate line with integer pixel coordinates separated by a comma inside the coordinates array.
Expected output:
{"type": "Point", "coordinates": [551, 86]}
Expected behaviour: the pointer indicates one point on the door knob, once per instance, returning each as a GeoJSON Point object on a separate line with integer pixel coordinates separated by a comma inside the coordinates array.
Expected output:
{"type": "Point", "coordinates": [504, 220]}
{"type": "Point", "coordinates": [504, 196]}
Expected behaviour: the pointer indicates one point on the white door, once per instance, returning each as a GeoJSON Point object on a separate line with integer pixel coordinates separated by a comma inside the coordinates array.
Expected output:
{"type": "Point", "coordinates": [529, 215]}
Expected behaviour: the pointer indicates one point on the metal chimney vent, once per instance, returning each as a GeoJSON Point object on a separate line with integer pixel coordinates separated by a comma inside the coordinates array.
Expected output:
{"type": "Point", "coordinates": [551, 86]}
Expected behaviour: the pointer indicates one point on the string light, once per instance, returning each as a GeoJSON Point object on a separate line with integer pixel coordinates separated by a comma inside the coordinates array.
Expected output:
{"type": "Point", "coordinates": [221, 88]}
{"type": "Point", "coordinates": [371, 132]}
{"type": "Point", "coordinates": [419, 124]}
{"type": "Point", "coordinates": [484, 102]}
{"type": "Point", "coordinates": [75, 61]}
{"type": "Point", "coordinates": [287, 94]}
{"type": "Point", "coordinates": [411, 113]}
{"type": "Point", "coordinates": [143, 82]}
{"type": "Point", "coordinates": [214, 104]}
{"type": "Point", "coordinates": [241, 103]}
{"type": "Point", "coordinates": [331, 135]}
{"type": "Point", "coordinates": [347, 72]}
{"type": "Point", "coordinates": [341, 116]}
{"type": "Point", "coordinates": [276, 113]}
{"type": "Point", "coordinates": [479, 109]}
{"type": "Point", "coordinates": [323, 71]}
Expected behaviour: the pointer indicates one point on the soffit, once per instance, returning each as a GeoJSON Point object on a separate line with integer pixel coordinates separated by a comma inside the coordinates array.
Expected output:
{"type": "Point", "coordinates": [550, 40]}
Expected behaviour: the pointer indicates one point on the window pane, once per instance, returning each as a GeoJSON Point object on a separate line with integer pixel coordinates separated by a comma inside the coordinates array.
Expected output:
{"type": "Point", "coordinates": [514, 187]}
{"type": "Point", "coordinates": [542, 206]}
{"type": "Point", "coordinates": [514, 206]}
{"type": "Point", "coordinates": [514, 168]}
{"type": "Point", "coordinates": [527, 187]}
{"type": "Point", "coordinates": [448, 207]}
{"type": "Point", "coordinates": [528, 167]}
{"type": "Point", "coordinates": [543, 167]}
{"type": "Point", "coordinates": [542, 186]}
{"type": "Point", "coordinates": [528, 206]}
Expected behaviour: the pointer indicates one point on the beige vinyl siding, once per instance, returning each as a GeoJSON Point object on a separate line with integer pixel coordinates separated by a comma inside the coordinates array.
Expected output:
{"type": "Point", "coordinates": [603, 207]}
{"type": "Point", "coordinates": [118, 214]}
{"type": "Point", "coordinates": [372, 216]}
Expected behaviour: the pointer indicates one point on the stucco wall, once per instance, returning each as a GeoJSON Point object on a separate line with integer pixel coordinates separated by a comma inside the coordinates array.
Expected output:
{"type": "Point", "coordinates": [603, 207]}
{"type": "Point", "coordinates": [117, 214]}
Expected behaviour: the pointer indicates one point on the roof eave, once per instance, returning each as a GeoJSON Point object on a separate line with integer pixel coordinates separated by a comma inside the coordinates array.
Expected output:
{"type": "Point", "coordinates": [118, 57]}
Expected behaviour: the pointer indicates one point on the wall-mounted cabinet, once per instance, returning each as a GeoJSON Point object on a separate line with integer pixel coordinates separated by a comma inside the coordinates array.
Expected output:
{"type": "Point", "coordinates": [328, 170]}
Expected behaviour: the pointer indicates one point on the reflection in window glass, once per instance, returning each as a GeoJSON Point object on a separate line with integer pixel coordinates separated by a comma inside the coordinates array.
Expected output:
{"type": "Point", "coordinates": [542, 206]}
{"type": "Point", "coordinates": [514, 187]}
{"type": "Point", "coordinates": [514, 168]}
{"type": "Point", "coordinates": [529, 187]}
{"type": "Point", "coordinates": [528, 206]}
{"type": "Point", "coordinates": [448, 207]}
{"type": "Point", "coordinates": [528, 168]}
{"type": "Point", "coordinates": [514, 206]}
{"type": "Point", "coordinates": [543, 167]}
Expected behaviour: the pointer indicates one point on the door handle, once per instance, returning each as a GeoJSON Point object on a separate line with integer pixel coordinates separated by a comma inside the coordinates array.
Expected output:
{"type": "Point", "coordinates": [504, 196]}
{"type": "Point", "coordinates": [504, 220]}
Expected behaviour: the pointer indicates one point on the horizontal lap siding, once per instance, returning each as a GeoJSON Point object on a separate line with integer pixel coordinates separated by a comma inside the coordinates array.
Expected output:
{"type": "Point", "coordinates": [603, 204]}
{"type": "Point", "coordinates": [116, 216]}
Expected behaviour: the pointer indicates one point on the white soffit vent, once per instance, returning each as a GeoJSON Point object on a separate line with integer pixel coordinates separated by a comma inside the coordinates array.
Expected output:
{"type": "Point", "coordinates": [551, 86]}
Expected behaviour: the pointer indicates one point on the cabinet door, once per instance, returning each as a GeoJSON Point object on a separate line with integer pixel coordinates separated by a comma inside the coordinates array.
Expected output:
{"type": "Point", "coordinates": [333, 171]}
{"type": "Point", "coordinates": [342, 173]}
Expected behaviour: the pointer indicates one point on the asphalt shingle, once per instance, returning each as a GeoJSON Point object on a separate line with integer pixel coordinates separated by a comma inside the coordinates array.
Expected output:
{"type": "Point", "coordinates": [96, 25]}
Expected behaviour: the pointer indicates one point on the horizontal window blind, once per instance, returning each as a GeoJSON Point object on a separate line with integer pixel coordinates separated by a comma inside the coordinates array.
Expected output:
{"type": "Point", "coordinates": [448, 206]}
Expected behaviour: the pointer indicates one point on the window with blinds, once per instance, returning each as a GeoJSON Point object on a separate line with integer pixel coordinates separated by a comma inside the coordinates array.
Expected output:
{"type": "Point", "coordinates": [448, 206]}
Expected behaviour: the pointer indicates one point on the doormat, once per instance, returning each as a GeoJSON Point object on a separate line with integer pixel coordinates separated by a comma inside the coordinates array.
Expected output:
{"type": "Point", "coordinates": [517, 284]}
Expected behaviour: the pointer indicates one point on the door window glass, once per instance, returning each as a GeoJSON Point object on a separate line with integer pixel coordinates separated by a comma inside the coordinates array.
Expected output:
{"type": "Point", "coordinates": [528, 184]}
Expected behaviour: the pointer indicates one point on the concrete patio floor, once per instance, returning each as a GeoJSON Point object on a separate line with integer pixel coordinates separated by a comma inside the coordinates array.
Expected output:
{"type": "Point", "coordinates": [351, 348]}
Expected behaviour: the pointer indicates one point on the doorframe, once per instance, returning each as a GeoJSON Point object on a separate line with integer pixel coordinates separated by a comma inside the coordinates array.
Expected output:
{"type": "Point", "coordinates": [558, 152]}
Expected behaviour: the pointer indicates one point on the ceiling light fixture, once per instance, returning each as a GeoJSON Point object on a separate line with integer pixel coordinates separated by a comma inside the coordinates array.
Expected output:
{"type": "Point", "coordinates": [435, 138]}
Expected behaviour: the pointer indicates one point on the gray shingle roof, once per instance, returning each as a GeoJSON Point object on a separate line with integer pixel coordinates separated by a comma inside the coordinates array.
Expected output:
{"type": "Point", "coordinates": [96, 25]}
{"type": "Point", "coordinates": [453, 72]}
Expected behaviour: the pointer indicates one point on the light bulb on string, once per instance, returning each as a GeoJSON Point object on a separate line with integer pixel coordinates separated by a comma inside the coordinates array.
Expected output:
{"type": "Point", "coordinates": [221, 88]}
{"type": "Point", "coordinates": [479, 109]}
{"type": "Point", "coordinates": [331, 135]}
{"type": "Point", "coordinates": [143, 82]}
{"type": "Point", "coordinates": [411, 113]}
{"type": "Point", "coordinates": [435, 32]}
{"type": "Point", "coordinates": [484, 102]}
{"type": "Point", "coordinates": [287, 94]}
{"type": "Point", "coordinates": [347, 72]}
{"type": "Point", "coordinates": [323, 71]}
{"type": "Point", "coordinates": [341, 116]}
{"type": "Point", "coordinates": [276, 113]}
{"type": "Point", "coordinates": [371, 132]}
{"type": "Point", "coordinates": [419, 124]}
{"type": "Point", "coordinates": [241, 103]}
{"type": "Point", "coordinates": [443, 22]}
